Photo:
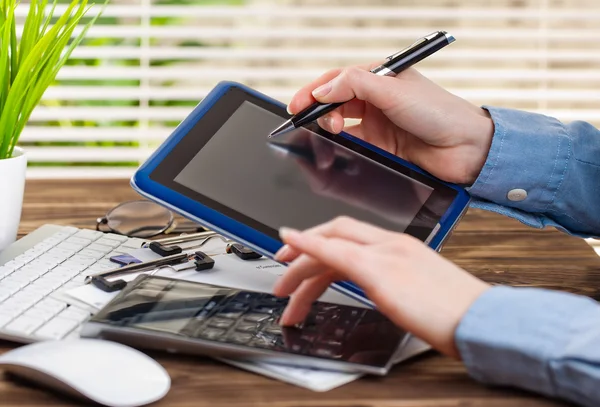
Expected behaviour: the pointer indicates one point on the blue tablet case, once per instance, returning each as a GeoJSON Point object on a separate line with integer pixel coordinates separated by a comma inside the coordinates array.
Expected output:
{"type": "Point", "coordinates": [266, 245]}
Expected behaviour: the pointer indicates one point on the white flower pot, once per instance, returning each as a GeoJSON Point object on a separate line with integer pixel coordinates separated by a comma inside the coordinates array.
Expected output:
{"type": "Point", "coordinates": [12, 185]}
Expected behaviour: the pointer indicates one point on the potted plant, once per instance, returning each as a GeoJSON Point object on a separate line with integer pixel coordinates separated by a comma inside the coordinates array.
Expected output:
{"type": "Point", "coordinates": [29, 63]}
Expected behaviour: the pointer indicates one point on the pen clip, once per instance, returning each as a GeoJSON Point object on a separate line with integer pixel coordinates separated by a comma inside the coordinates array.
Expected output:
{"type": "Point", "coordinates": [418, 42]}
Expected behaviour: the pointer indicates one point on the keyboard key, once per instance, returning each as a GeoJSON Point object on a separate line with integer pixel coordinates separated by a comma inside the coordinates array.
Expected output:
{"type": "Point", "coordinates": [56, 251]}
{"type": "Point", "coordinates": [70, 246]}
{"type": "Point", "coordinates": [99, 248]}
{"type": "Point", "coordinates": [24, 325]}
{"type": "Point", "coordinates": [94, 254]}
{"type": "Point", "coordinates": [34, 252]}
{"type": "Point", "coordinates": [66, 268]}
{"type": "Point", "coordinates": [88, 234]}
{"type": "Point", "coordinates": [33, 292]}
{"type": "Point", "coordinates": [39, 312]}
{"type": "Point", "coordinates": [62, 275]}
{"type": "Point", "coordinates": [85, 261]}
{"type": "Point", "coordinates": [40, 287]}
{"type": "Point", "coordinates": [120, 238]}
{"type": "Point", "coordinates": [50, 281]}
{"type": "Point", "coordinates": [15, 279]}
{"type": "Point", "coordinates": [41, 265]}
{"type": "Point", "coordinates": [79, 279]}
{"type": "Point", "coordinates": [273, 328]}
{"type": "Point", "coordinates": [54, 256]}
{"type": "Point", "coordinates": [9, 287]}
{"type": "Point", "coordinates": [24, 258]}
{"type": "Point", "coordinates": [133, 243]}
{"type": "Point", "coordinates": [73, 265]}
{"type": "Point", "coordinates": [108, 242]}
{"type": "Point", "coordinates": [14, 307]}
{"type": "Point", "coordinates": [240, 337]}
{"type": "Point", "coordinates": [26, 298]}
{"type": "Point", "coordinates": [51, 305]}
{"type": "Point", "coordinates": [75, 313]}
{"type": "Point", "coordinates": [54, 241]}
{"type": "Point", "coordinates": [263, 340]}
{"type": "Point", "coordinates": [253, 317]}
{"type": "Point", "coordinates": [116, 252]}
{"type": "Point", "coordinates": [220, 322]}
{"type": "Point", "coordinates": [45, 245]}
{"type": "Point", "coordinates": [79, 241]}
{"type": "Point", "coordinates": [5, 271]}
{"type": "Point", "coordinates": [67, 230]}
{"type": "Point", "coordinates": [70, 285]}
{"type": "Point", "coordinates": [247, 297]}
{"type": "Point", "coordinates": [4, 294]}
{"type": "Point", "coordinates": [247, 327]}
{"type": "Point", "coordinates": [56, 328]}
{"type": "Point", "coordinates": [31, 273]}
{"type": "Point", "coordinates": [264, 309]}
{"type": "Point", "coordinates": [5, 319]}
{"type": "Point", "coordinates": [13, 265]}
{"type": "Point", "coordinates": [211, 333]}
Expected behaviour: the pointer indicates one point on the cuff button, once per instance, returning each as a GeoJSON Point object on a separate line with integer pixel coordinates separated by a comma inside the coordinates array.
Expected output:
{"type": "Point", "coordinates": [517, 195]}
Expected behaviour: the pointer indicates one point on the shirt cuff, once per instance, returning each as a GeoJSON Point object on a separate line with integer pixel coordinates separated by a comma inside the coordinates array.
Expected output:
{"type": "Point", "coordinates": [526, 163]}
{"type": "Point", "coordinates": [510, 336]}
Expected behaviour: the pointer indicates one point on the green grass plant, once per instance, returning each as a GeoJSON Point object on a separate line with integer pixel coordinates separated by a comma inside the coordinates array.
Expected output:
{"type": "Point", "coordinates": [30, 62]}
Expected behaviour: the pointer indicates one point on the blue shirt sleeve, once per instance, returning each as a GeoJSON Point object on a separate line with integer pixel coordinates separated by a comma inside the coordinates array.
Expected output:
{"type": "Point", "coordinates": [557, 166]}
{"type": "Point", "coordinates": [540, 340]}
{"type": "Point", "coordinates": [543, 173]}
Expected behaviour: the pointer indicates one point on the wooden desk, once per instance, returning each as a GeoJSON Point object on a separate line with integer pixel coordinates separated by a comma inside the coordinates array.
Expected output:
{"type": "Point", "coordinates": [492, 247]}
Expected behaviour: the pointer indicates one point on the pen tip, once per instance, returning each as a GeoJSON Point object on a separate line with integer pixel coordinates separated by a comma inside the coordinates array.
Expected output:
{"type": "Point", "coordinates": [284, 128]}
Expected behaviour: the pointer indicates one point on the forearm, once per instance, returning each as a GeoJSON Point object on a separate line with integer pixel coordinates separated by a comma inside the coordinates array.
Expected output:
{"type": "Point", "coordinates": [540, 340]}
{"type": "Point", "coordinates": [542, 172]}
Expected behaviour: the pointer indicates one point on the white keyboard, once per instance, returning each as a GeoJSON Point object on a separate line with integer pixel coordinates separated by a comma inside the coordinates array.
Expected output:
{"type": "Point", "coordinates": [49, 260]}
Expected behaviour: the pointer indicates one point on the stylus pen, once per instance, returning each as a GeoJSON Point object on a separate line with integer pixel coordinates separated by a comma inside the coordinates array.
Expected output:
{"type": "Point", "coordinates": [395, 64]}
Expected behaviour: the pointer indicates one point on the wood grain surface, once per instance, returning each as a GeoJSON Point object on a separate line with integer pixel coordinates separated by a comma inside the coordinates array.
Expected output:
{"type": "Point", "coordinates": [494, 248]}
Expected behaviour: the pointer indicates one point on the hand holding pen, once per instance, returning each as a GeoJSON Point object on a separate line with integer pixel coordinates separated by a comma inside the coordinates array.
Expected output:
{"type": "Point", "coordinates": [409, 116]}
{"type": "Point", "coordinates": [395, 64]}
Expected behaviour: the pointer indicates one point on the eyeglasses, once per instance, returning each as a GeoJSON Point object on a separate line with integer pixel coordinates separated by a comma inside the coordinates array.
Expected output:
{"type": "Point", "coordinates": [143, 219]}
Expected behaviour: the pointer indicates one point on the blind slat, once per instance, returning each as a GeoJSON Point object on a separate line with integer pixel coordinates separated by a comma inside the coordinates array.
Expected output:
{"type": "Point", "coordinates": [316, 54]}
{"type": "Point", "coordinates": [309, 74]}
{"type": "Point", "coordinates": [178, 113]}
{"type": "Point", "coordinates": [195, 94]}
{"type": "Point", "coordinates": [402, 35]}
{"type": "Point", "coordinates": [340, 13]}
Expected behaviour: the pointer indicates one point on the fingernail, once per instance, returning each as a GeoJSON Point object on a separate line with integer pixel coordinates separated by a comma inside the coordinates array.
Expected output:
{"type": "Point", "coordinates": [287, 233]}
{"type": "Point", "coordinates": [288, 109]}
{"type": "Point", "coordinates": [328, 123]}
{"type": "Point", "coordinates": [284, 319]}
{"type": "Point", "coordinates": [322, 90]}
{"type": "Point", "coordinates": [282, 252]}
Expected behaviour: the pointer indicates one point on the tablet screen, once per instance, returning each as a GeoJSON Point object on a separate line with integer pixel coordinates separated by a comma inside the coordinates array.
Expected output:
{"type": "Point", "coordinates": [299, 179]}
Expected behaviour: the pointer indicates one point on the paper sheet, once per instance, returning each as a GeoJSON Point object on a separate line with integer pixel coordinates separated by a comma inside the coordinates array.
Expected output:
{"type": "Point", "coordinates": [256, 275]}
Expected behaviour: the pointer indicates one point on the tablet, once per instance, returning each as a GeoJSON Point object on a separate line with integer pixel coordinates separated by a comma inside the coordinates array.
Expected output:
{"type": "Point", "coordinates": [220, 168]}
{"type": "Point", "coordinates": [189, 317]}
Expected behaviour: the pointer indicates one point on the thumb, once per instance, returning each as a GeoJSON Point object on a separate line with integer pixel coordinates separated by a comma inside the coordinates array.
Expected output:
{"type": "Point", "coordinates": [361, 84]}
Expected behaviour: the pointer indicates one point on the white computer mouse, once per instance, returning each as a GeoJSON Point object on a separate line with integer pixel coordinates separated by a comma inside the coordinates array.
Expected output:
{"type": "Point", "coordinates": [105, 372]}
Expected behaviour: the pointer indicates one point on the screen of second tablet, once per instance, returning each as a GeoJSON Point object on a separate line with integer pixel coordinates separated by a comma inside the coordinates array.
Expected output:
{"type": "Point", "coordinates": [299, 179]}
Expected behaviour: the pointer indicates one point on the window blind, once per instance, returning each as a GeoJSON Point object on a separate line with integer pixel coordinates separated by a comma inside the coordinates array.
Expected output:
{"type": "Point", "coordinates": [146, 63]}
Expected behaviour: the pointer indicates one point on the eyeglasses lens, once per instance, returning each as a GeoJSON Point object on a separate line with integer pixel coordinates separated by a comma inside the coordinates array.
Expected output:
{"type": "Point", "coordinates": [139, 219]}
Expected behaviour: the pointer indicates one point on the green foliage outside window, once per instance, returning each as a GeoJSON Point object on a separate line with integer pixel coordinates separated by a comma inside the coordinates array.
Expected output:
{"type": "Point", "coordinates": [90, 62]}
